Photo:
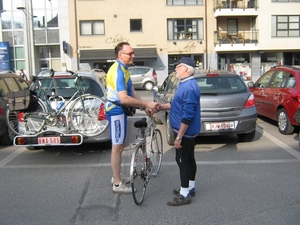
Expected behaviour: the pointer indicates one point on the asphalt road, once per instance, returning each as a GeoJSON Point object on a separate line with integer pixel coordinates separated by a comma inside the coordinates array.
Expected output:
{"type": "Point", "coordinates": [237, 183]}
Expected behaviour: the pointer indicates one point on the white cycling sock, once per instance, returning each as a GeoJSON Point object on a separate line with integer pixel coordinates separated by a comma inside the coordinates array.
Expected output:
{"type": "Point", "coordinates": [184, 191]}
{"type": "Point", "coordinates": [191, 184]}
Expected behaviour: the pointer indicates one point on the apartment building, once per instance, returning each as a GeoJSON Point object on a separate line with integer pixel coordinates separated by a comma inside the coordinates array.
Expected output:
{"type": "Point", "coordinates": [243, 36]}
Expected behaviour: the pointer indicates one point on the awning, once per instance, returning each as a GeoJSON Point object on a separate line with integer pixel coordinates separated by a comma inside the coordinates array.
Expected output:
{"type": "Point", "coordinates": [106, 55]}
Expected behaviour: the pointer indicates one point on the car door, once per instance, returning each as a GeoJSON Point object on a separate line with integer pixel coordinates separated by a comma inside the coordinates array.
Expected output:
{"type": "Point", "coordinates": [260, 92]}
{"type": "Point", "coordinates": [274, 94]}
{"type": "Point", "coordinates": [166, 93]}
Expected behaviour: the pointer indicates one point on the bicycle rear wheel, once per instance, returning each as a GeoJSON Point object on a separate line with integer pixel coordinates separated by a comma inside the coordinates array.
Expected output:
{"type": "Point", "coordinates": [156, 151]}
{"type": "Point", "coordinates": [27, 122]}
{"type": "Point", "coordinates": [88, 117]}
{"type": "Point", "coordinates": [138, 174]}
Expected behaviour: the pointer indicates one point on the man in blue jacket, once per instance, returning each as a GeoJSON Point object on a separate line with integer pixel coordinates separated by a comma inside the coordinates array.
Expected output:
{"type": "Point", "coordinates": [186, 124]}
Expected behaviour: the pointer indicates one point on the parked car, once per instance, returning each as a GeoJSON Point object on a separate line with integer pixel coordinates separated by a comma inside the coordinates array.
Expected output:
{"type": "Point", "coordinates": [9, 82]}
{"type": "Point", "coordinates": [143, 77]}
{"type": "Point", "coordinates": [65, 87]}
{"type": "Point", "coordinates": [277, 96]}
{"type": "Point", "coordinates": [227, 106]}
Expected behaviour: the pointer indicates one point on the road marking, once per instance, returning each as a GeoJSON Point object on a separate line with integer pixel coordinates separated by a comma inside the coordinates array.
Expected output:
{"type": "Point", "coordinates": [284, 146]}
{"type": "Point", "coordinates": [10, 157]}
{"type": "Point", "coordinates": [279, 143]}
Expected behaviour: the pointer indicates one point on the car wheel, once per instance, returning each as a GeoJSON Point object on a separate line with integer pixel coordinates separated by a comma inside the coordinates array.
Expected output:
{"type": "Point", "coordinates": [283, 122]}
{"type": "Point", "coordinates": [170, 133]}
{"type": "Point", "coordinates": [248, 137]}
{"type": "Point", "coordinates": [7, 137]}
{"type": "Point", "coordinates": [148, 86]}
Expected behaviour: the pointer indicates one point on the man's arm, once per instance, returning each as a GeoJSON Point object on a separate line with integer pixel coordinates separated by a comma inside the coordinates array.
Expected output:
{"type": "Point", "coordinates": [138, 103]}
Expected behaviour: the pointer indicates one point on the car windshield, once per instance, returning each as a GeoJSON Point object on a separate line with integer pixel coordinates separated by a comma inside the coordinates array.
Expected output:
{"type": "Point", "coordinates": [65, 86]}
{"type": "Point", "coordinates": [221, 85]}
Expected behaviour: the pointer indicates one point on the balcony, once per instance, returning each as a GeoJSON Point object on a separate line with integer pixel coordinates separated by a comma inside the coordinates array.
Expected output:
{"type": "Point", "coordinates": [235, 4]}
{"type": "Point", "coordinates": [236, 40]}
{"type": "Point", "coordinates": [235, 7]}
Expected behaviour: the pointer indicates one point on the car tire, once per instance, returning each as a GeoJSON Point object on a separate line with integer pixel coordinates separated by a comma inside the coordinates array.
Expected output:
{"type": "Point", "coordinates": [7, 137]}
{"type": "Point", "coordinates": [248, 137]}
{"type": "Point", "coordinates": [148, 86]}
{"type": "Point", "coordinates": [283, 123]}
{"type": "Point", "coordinates": [169, 132]}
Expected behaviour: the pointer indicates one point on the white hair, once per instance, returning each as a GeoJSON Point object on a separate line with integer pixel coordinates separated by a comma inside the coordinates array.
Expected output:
{"type": "Point", "coordinates": [191, 69]}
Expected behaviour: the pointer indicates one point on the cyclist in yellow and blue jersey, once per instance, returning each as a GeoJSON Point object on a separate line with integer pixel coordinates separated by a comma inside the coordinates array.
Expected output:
{"type": "Point", "coordinates": [119, 89]}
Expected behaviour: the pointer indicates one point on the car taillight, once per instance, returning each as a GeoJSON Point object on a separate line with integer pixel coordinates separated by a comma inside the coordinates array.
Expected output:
{"type": "Point", "coordinates": [154, 75]}
{"type": "Point", "coordinates": [250, 102]}
{"type": "Point", "coordinates": [21, 116]}
{"type": "Point", "coordinates": [75, 139]}
{"type": "Point", "coordinates": [101, 115]}
{"type": "Point", "coordinates": [1, 111]}
{"type": "Point", "coordinates": [20, 141]}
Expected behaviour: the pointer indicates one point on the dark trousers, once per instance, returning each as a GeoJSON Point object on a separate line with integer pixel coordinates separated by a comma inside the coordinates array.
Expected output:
{"type": "Point", "coordinates": [185, 158]}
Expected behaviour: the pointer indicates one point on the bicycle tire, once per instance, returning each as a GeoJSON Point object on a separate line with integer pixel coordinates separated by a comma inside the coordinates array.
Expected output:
{"type": "Point", "coordinates": [156, 151]}
{"type": "Point", "coordinates": [31, 122]}
{"type": "Point", "coordinates": [138, 175]}
{"type": "Point", "coordinates": [88, 124]}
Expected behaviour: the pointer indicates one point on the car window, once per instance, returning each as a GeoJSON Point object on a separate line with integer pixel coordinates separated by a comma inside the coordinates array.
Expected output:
{"type": "Point", "coordinates": [278, 79]}
{"type": "Point", "coordinates": [165, 83]}
{"type": "Point", "coordinates": [172, 84]}
{"type": "Point", "coordinates": [290, 81]}
{"type": "Point", "coordinates": [221, 85]}
{"type": "Point", "coordinates": [265, 80]}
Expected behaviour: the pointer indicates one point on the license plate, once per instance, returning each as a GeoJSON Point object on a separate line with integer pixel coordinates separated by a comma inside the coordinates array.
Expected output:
{"type": "Point", "coordinates": [48, 140]}
{"type": "Point", "coordinates": [220, 126]}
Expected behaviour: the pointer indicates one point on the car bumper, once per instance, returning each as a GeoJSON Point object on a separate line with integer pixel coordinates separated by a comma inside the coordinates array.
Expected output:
{"type": "Point", "coordinates": [47, 138]}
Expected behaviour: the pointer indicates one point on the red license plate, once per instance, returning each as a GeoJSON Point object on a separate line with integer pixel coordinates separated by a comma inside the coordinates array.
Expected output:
{"type": "Point", "coordinates": [48, 140]}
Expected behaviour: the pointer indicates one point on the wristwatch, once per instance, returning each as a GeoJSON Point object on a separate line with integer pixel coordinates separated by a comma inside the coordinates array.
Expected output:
{"type": "Point", "coordinates": [178, 138]}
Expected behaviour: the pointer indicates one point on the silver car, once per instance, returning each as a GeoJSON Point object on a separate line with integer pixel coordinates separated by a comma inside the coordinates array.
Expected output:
{"type": "Point", "coordinates": [143, 77]}
{"type": "Point", "coordinates": [63, 84]}
{"type": "Point", "coordinates": [227, 106]}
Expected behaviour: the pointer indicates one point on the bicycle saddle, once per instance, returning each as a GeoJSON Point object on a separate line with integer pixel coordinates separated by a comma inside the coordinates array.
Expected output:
{"type": "Point", "coordinates": [140, 123]}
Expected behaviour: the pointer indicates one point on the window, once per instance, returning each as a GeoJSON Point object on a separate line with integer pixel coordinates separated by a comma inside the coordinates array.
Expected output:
{"type": "Point", "coordinates": [286, 26]}
{"type": "Point", "coordinates": [185, 29]}
{"type": "Point", "coordinates": [136, 25]}
{"type": "Point", "coordinates": [92, 27]}
{"type": "Point", "coordinates": [184, 2]}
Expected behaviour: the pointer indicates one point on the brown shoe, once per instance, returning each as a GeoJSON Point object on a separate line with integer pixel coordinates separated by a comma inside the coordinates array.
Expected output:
{"type": "Point", "coordinates": [180, 200]}
{"type": "Point", "coordinates": [192, 192]}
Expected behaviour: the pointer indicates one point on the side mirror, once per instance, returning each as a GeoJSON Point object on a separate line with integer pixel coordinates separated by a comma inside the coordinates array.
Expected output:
{"type": "Point", "coordinates": [154, 89]}
{"type": "Point", "coordinates": [250, 84]}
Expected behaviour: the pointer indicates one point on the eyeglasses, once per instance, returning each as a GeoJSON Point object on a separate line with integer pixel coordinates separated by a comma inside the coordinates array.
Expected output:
{"type": "Point", "coordinates": [130, 53]}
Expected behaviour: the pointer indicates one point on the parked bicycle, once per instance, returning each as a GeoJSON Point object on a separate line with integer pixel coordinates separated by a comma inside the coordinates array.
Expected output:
{"type": "Point", "coordinates": [80, 113]}
{"type": "Point", "coordinates": [146, 158]}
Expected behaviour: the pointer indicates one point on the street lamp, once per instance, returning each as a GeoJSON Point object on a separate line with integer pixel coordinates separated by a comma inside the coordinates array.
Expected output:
{"type": "Point", "coordinates": [29, 30]}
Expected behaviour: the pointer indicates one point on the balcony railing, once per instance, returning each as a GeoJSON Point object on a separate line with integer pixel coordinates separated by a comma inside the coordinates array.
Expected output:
{"type": "Point", "coordinates": [230, 4]}
{"type": "Point", "coordinates": [236, 37]}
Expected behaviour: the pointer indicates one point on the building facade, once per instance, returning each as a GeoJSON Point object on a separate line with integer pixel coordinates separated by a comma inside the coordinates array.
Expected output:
{"type": "Point", "coordinates": [243, 36]}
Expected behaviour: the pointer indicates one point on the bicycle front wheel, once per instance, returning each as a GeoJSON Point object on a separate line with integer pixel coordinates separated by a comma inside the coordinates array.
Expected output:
{"type": "Point", "coordinates": [88, 116]}
{"type": "Point", "coordinates": [138, 174]}
{"type": "Point", "coordinates": [156, 151]}
{"type": "Point", "coordinates": [27, 122]}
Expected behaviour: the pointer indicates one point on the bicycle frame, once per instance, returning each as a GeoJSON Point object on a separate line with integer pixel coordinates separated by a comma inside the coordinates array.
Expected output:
{"type": "Point", "coordinates": [77, 94]}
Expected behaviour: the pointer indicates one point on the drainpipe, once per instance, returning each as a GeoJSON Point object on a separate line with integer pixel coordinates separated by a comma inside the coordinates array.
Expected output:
{"type": "Point", "coordinates": [76, 35]}
{"type": "Point", "coordinates": [206, 55]}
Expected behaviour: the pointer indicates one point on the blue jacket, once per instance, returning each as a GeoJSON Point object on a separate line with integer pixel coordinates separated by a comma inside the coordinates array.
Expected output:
{"type": "Point", "coordinates": [185, 107]}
